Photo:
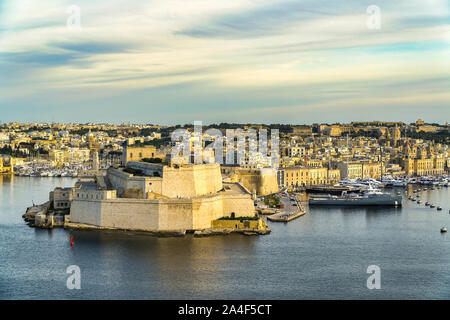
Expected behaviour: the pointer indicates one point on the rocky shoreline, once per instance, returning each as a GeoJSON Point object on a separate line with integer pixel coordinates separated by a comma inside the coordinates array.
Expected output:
{"type": "Point", "coordinates": [174, 233]}
{"type": "Point", "coordinates": [218, 232]}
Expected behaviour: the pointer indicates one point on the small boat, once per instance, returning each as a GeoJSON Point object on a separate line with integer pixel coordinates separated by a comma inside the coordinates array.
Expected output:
{"type": "Point", "coordinates": [439, 208]}
{"type": "Point", "coordinates": [432, 206]}
{"type": "Point", "coordinates": [443, 229]}
{"type": "Point", "coordinates": [418, 201]}
{"type": "Point", "coordinates": [427, 203]}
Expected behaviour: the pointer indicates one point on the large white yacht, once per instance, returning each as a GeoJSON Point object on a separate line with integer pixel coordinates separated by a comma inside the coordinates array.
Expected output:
{"type": "Point", "coordinates": [371, 197]}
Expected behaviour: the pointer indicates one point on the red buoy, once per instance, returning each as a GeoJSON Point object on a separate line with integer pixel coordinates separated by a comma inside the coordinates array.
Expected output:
{"type": "Point", "coordinates": [71, 241]}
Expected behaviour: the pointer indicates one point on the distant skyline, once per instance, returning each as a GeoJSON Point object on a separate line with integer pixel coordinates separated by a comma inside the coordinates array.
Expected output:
{"type": "Point", "coordinates": [244, 61]}
{"type": "Point", "coordinates": [208, 123]}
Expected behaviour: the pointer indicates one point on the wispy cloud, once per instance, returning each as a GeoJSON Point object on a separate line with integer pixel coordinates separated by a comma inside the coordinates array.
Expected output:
{"type": "Point", "coordinates": [239, 54]}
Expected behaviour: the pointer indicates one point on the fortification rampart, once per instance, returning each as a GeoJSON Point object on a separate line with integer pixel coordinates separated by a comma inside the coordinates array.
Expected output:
{"type": "Point", "coordinates": [161, 214]}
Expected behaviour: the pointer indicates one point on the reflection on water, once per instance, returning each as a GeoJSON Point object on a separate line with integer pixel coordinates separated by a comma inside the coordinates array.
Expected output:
{"type": "Point", "coordinates": [180, 266]}
{"type": "Point", "coordinates": [323, 254]}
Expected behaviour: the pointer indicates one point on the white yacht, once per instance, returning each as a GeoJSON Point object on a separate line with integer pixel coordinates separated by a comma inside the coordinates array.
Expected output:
{"type": "Point", "coordinates": [371, 181]}
{"type": "Point", "coordinates": [371, 197]}
{"type": "Point", "coordinates": [394, 182]}
{"type": "Point", "coordinates": [352, 183]}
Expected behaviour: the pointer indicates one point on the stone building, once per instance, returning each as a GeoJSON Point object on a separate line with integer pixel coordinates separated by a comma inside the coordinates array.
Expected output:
{"type": "Point", "coordinates": [424, 166]}
{"type": "Point", "coordinates": [334, 176]}
{"type": "Point", "coordinates": [262, 181]}
{"type": "Point", "coordinates": [423, 161]}
{"type": "Point", "coordinates": [182, 198]}
{"type": "Point", "coordinates": [302, 176]}
{"type": "Point", "coordinates": [360, 169]}
{"type": "Point", "coordinates": [135, 153]}
{"type": "Point", "coordinates": [61, 198]}
{"type": "Point", "coordinates": [69, 155]}
{"type": "Point", "coordinates": [351, 170]}
{"type": "Point", "coordinates": [5, 168]}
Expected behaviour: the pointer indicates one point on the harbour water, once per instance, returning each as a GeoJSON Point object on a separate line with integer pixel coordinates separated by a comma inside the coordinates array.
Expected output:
{"type": "Point", "coordinates": [322, 255]}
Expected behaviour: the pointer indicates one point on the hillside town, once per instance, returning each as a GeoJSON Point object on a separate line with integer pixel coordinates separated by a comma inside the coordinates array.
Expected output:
{"type": "Point", "coordinates": [317, 154]}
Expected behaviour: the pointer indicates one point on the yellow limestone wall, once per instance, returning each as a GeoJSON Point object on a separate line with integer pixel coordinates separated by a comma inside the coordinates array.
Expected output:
{"type": "Point", "coordinates": [161, 214]}
{"type": "Point", "coordinates": [199, 205]}
{"type": "Point", "coordinates": [263, 181]}
{"type": "Point", "coordinates": [239, 224]}
{"type": "Point", "coordinates": [127, 185]}
{"type": "Point", "coordinates": [191, 180]}
{"type": "Point", "coordinates": [185, 182]}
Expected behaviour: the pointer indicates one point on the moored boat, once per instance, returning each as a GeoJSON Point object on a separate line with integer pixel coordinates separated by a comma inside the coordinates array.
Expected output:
{"type": "Point", "coordinates": [372, 197]}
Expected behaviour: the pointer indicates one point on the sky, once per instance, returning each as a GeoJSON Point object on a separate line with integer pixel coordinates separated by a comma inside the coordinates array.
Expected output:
{"type": "Point", "coordinates": [244, 61]}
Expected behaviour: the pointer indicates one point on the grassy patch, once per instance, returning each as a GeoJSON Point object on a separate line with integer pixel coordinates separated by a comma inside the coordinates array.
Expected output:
{"type": "Point", "coordinates": [272, 201]}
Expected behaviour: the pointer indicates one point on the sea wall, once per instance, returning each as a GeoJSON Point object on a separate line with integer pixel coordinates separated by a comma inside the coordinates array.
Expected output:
{"type": "Point", "coordinates": [239, 224]}
{"type": "Point", "coordinates": [159, 214]}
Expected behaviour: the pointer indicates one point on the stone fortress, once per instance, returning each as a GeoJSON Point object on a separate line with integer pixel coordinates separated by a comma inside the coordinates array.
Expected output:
{"type": "Point", "coordinates": [158, 198]}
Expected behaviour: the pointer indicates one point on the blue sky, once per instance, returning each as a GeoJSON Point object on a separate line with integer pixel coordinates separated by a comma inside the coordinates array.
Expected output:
{"type": "Point", "coordinates": [270, 61]}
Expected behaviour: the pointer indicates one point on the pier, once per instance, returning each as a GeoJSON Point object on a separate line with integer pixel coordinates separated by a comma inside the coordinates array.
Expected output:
{"type": "Point", "coordinates": [289, 212]}
{"type": "Point", "coordinates": [285, 217]}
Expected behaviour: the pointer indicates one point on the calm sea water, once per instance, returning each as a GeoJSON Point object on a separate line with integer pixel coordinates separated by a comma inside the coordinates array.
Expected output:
{"type": "Point", "coordinates": [322, 255]}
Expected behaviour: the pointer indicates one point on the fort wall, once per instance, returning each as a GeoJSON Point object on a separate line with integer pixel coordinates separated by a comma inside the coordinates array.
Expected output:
{"type": "Point", "coordinates": [191, 181]}
{"type": "Point", "coordinates": [160, 214]}
{"type": "Point", "coordinates": [185, 198]}
{"type": "Point", "coordinates": [183, 182]}
{"type": "Point", "coordinates": [262, 181]}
